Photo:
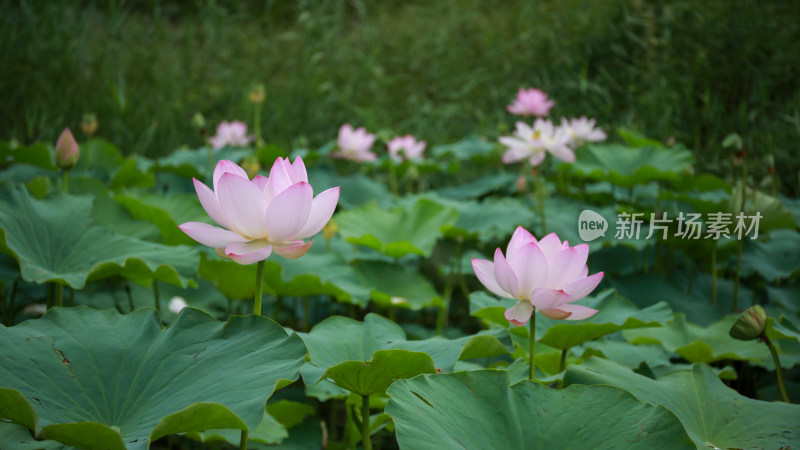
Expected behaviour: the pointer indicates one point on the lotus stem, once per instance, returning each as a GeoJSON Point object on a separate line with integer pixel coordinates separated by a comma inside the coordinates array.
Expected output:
{"type": "Point", "coordinates": [130, 297]}
{"type": "Point", "coordinates": [392, 178]}
{"type": "Point", "coordinates": [540, 186]}
{"type": "Point", "coordinates": [211, 161]}
{"type": "Point", "coordinates": [532, 360]}
{"type": "Point", "coordinates": [10, 311]}
{"type": "Point", "coordinates": [259, 288]}
{"type": "Point", "coordinates": [156, 297]}
{"type": "Point", "coordinates": [562, 367]}
{"type": "Point", "coordinates": [365, 422]}
{"type": "Point", "coordinates": [714, 274]}
{"type": "Point", "coordinates": [306, 314]}
{"type": "Point", "coordinates": [257, 126]}
{"type": "Point", "coordinates": [736, 279]}
{"type": "Point", "coordinates": [59, 294]}
{"type": "Point", "coordinates": [778, 370]}
{"type": "Point", "coordinates": [243, 441]}
{"type": "Point", "coordinates": [65, 181]}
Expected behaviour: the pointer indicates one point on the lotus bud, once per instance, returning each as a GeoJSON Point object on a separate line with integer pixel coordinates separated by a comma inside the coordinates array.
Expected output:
{"type": "Point", "coordinates": [257, 94]}
{"type": "Point", "coordinates": [67, 152]}
{"type": "Point", "coordinates": [198, 121]}
{"type": "Point", "coordinates": [251, 166]}
{"type": "Point", "coordinates": [750, 324]}
{"type": "Point", "coordinates": [176, 304]}
{"type": "Point", "coordinates": [89, 124]}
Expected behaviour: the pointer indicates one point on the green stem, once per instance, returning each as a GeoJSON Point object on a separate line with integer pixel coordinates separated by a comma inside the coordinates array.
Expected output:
{"type": "Point", "coordinates": [778, 370]}
{"type": "Point", "coordinates": [65, 181]}
{"type": "Point", "coordinates": [211, 161]}
{"type": "Point", "coordinates": [257, 125]}
{"type": "Point", "coordinates": [540, 185]}
{"type": "Point", "coordinates": [130, 297]}
{"type": "Point", "coordinates": [562, 367]}
{"type": "Point", "coordinates": [392, 178]}
{"type": "Point", "coordinates": [10, 311]}
{"type": "Point", "coordinates": [392, 313]}
{"type": "Point", "coordinates": [156, 297]}
{"type": "Point", "coordinates": [259, 288]}
{"type": "Point", "coordinates": [243, 441]}
{"type": "Point", "coordinates": [365, 422]}
{"type": "Point", "coordinates": [532, 360]}
{"type": "Point", "coordinates": [714, 274]}
{"type": "Point", "coordinates": [59, 294]}
{"type": "Point", "coordinates": [307, 313]}
{"type": "Point", "coordinates": [736, 279]}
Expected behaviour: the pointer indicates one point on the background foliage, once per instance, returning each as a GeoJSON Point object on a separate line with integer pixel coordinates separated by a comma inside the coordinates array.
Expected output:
{"type": "Point", "coordinates": [695, 71]}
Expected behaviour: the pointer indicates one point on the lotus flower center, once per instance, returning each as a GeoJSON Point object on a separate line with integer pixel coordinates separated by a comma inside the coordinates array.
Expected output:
{"type": "Point", "coordinates": [537, 134]}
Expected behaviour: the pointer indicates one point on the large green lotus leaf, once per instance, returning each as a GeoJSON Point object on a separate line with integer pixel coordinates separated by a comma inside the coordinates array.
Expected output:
{"type": "Point", "coordinates": [98, 379]}
{"type": "Point", "coordinates": [489, 220]}
{"type": "Point", "coordinates": [194, 163]}
{"type": "Point", "coordinates": [774, 214]}
{"type": "Point", "coordinates": [468, 148]}
{"type": "Point", "coordinates": [614, 314]}
{"type": "Point", "coordinates": [268, 431]}
{"type": "Point", "coordinates": [321, 272]}
{"type": "Point", "coordinates": [393, 285]}
{"type": "Point", "coordinates": [100, 157]}
{"type": "Point", "coordinates": [34, 232]}
{"type": "Point", "coordinates": [502, 183]}
{"type": "Point", "coordinates": [356, 189]}
{"type": "Point", "coordinates": [636, 139]}
{"type": "Point", "coordinates": [714, 415]}
{"type": "Point", "coordinates": [166, 212]}
{"type": "Point", "coordinates": [316, 273]}
{"type": "Point", "coordinates": [39, 155]}
{"type": "Point", "coordinates": [19, 438]}
{"type": "Point", "coordinates": [787, 297]}
{"type": "Point", "coordinates": [397, 232]}
{"type": "Point", "coordinates": [132, 173]}
{"type": "Point", "coordinates": [109, 214]}
{"type": "Point", "coordinates": [628, 166]}
{"type": "Point", "coordinates": [365, 357]}
{"type": "Point", "coordinates": [478, 409]}
{"type": "Point", "coordinates": [778, 258]}
{"type": "Point", "coordinates": [701, 344]}
{"type": "Point", "coordinates": [629, 355]}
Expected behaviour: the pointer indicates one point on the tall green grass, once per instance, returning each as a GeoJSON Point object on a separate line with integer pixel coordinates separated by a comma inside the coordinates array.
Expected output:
{"type": "Point", "coordinates": [442, 70]}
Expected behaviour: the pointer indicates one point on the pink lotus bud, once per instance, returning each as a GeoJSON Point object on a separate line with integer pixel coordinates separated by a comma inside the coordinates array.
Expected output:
{"type": "Point", "coordinates": [67, 152]}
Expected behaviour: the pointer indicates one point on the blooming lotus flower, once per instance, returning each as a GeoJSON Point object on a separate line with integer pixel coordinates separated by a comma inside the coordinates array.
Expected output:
{"type": "Point", "coordinates": [531, 102]}
{"type": "Point", "coordinates": [231, 134]}
{"type": "Point", "coordinates": [261, 215]}
{"type": "Point", "coordinates": [355, 144]}
{"type": "Point", "coordinates": [546, 275]}
{"type": "Point", "coordinates": [67, 151]}
{"type": "Point", "coordinates": [405, 148]}
{"type": "Point", "coordinates": [582, 130]}
{"type": "Point", "coordinates": [532, 143]}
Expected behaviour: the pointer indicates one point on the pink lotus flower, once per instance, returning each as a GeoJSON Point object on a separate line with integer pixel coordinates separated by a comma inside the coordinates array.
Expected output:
{"type": "Point", "coordinates": [67, 151]}
{"type": "Point", "coordinates": [582, 130]}
{"type": "Point", "coordinates": [532, 143]}
{"type": "Point", "coordinates": [410, 148]}
{"type": "Point", "coordinates": [545, 275]}
{"type": "Point", "coordinates": [231, 134]}
{"type": "Point", "coordinates": [355, 144]}
{"type": "Point", "coordinates": [531, 102]}
{"type": "Point", "coordinates": [261, 215]}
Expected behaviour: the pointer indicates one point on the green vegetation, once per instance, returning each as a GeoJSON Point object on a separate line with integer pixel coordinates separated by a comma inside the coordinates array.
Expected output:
{"type": "Point", "coordinates": [442, 70]}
